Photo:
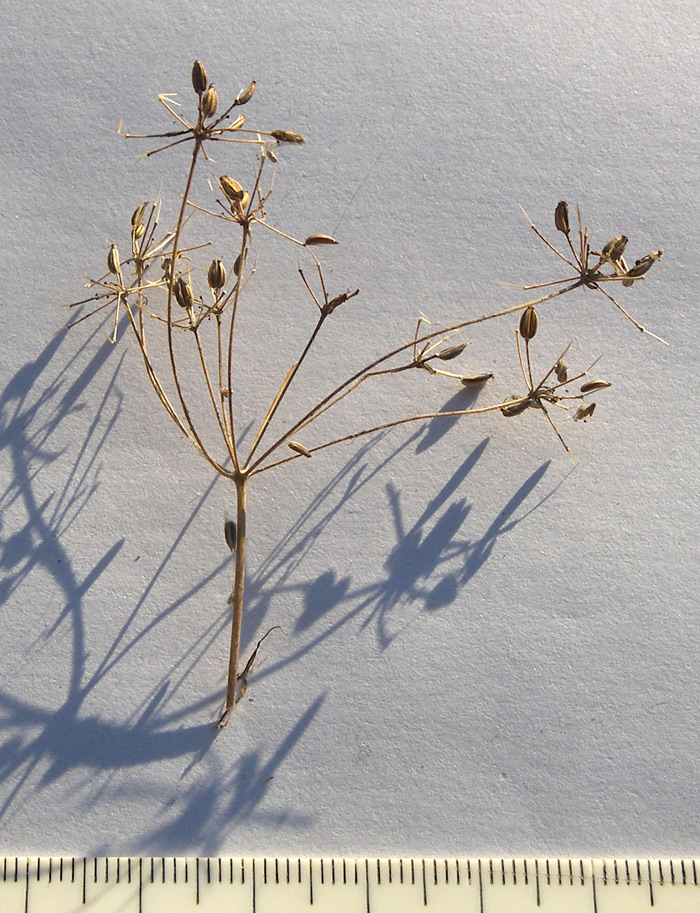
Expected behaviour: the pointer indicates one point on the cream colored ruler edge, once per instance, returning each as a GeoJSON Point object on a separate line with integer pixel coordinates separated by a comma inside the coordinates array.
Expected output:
{"type": "Point", "coordinates": [347, 885]}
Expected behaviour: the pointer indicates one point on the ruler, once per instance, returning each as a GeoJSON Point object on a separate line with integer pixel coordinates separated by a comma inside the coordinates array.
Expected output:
{"type": "Point", "coordinates": [69, 884]}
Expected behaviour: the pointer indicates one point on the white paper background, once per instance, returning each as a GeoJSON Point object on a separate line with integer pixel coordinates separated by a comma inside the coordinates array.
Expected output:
{"type": "Point", "coordinates": [491, 649]}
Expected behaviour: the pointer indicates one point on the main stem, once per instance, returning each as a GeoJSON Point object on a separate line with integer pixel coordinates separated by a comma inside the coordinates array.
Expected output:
{"type": "Point", "coordinates": [236, 599]}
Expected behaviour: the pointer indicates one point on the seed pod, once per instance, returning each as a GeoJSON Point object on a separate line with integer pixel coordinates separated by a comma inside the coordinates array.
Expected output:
{"type": "Point", "coordinates": [137, 232]}
{"type": "Point", "coordinates": [237, 123]}
{"type": "Point", "coordinates": [287, 136]}
{"type": "Point", "coordinates": [643, 265]}
{"type": "Point", "coordinates": [245, 95]}
{"type": "Point", "coordinates": [230, 534]}
{"type": "Point", "coordinates": [183, 293]}
{"type": "Point", "coordinates": [240, 263]}
{"type": "Point", "coordinates": [298, 448]}
{"type": "Point", "coordinates": [137, 215]}
{"type": "Point", "coordinates": [199, 77]}
{"type": "Point", "coordinates": [452, 352]}
{"type": "Point", "coordinates": [561, 371]}
{"type": "Point", "coordinates": [592, 385]}
{"type": "Point", "coordinates": [216, 275]}
{"type": "Point", "coordinates": [584, 412]}
{"type": "Point", "coordinates": [561, 217]}
{"type": "Point", "coordinates": [528, 322]}
{"type": "Point", "coordinates": [113, 264]}
{"type": "Point", "coordinates": [232, 189]}
{"type": "Point", "coordinates": [515, 407]}
{"type": "Point", "coordinates": [614, 249]}
{"type": "Point", "coordinates": [314, 240]}
{"type": "Point", "coordinates": [475, 380]}
{"type": "Point", "coordinates": [210, 102]}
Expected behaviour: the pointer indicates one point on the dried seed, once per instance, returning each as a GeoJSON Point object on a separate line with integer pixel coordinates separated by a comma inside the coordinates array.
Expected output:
{"type": "Point", "coordinates": [270, 155]}
{"type": "Point", "coordinates": [113, 264]}
{"type": "Point", "coordinates": [643, 265]}
{"type": "Point", "coordinates": [237, 123]}
{"type": "Point", "coordinates": [287, 136]}
{"type": "Point", "coordinates": [515, 407]}
{"type": "Point", "coordinates": [245, 95]}
{"type": "Point", "coordinates": [592, 385]}
{"type": "Point", "coordinates": [199, 77]}
{"type": "Point", "coordinates": [528, 322]}
{"type": "Point", "coordinates": [561, 371]}
{"type": "Point", "coordinates": [584, 412]}
{"type": "Point", "coordinates": [452, 352]}
{"type": "Point", "coordinates": [216, 275]}
{"type": "Point", "coordinates": [183, 293]}
{"type": "Point", "coordinates": [298, 448]}
{"type": "Point", "coordinates": [230, 534]}
{"type": "Point", "coordinates": [474, 380]}
{"type": "Point", "coordinates": [137, 215]}
{"type": "Point", "coordinates": [561, 217]}
{"type": "Point", "coordinates": [232, 189]}
{"type": "Point", "coordinates": [314, 240]}
{"type": "Point", "coordinates": [240, 263]}
{"type": "Point", "coordinates": [614, 249]}
{"type": "Point", "coordinates": [210, 102]}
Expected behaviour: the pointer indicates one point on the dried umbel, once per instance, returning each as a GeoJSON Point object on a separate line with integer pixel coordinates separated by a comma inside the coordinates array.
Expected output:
{"type": "Point", "coordinates": [155, 284]}
{"type": "Point", "coordinates": [588, 266]}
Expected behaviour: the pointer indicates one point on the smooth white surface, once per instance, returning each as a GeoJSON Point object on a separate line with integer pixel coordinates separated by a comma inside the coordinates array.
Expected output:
{"type": "Point", "coordinates": [491, 649]}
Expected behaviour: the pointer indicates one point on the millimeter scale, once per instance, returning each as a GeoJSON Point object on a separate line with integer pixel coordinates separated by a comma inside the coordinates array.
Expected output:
{"type": "Point", "coordinates": [70, 884]}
